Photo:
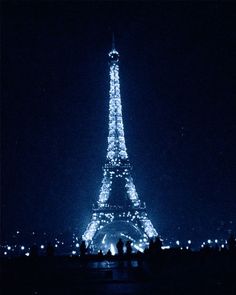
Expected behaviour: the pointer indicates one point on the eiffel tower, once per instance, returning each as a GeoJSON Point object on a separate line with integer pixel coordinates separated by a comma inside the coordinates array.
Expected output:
{"type": "Point", "coordinates": [119, 213]}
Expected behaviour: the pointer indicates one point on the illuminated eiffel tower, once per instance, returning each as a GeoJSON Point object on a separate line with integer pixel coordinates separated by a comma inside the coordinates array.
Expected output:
{"type": "Point", "coordinates": [119, 213]}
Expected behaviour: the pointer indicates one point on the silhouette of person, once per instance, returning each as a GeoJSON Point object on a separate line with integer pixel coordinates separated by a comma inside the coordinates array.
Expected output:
{"type": "Point", "coordinates": [151, 246]}
{"type": "Point", "coordinates": [157, 244]}
{"type": "Point", "coordinates": [100, 254]}
{"type": "Point", "coordinates": [82, 249]}
{"type": "Point", "coordinates": [108, 253]}
{"type": "Point", "coordinates": [128, 248]}
{"type": "Point", "coordinates": [120, 246]}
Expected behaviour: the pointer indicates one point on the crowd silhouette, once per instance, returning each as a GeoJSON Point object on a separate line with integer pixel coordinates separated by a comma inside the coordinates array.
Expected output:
{"type": "Point", "coordinates": [125, 248]}
{"type": "Point", "coordinates": [212, 268]}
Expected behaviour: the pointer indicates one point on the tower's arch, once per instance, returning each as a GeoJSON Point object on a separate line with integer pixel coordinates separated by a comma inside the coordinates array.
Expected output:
{"type": "Point", "coordinates": [108, 235]}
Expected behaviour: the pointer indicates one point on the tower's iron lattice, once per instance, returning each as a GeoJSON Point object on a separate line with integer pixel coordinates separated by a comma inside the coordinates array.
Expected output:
{"type": "Point", "coordinates": [119, 213]}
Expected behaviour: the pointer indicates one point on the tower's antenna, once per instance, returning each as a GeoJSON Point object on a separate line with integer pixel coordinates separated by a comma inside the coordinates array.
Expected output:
{"type": "Point", "coordinates": [113, 40]}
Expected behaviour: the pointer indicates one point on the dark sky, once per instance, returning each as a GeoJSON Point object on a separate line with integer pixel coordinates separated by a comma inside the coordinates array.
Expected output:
{"type": "Point", "coordinates": [178, 87]}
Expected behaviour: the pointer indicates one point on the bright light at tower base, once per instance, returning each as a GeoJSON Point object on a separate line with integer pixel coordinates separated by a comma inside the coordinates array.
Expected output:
{"type": "Point", "coordinates": [138, 248]}
{"type": "Point", "coordinates": [113, 250]}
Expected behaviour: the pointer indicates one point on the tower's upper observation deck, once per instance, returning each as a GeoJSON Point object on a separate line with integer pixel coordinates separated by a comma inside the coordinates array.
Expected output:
{"type": "Point", "coordinates": [113, 56]}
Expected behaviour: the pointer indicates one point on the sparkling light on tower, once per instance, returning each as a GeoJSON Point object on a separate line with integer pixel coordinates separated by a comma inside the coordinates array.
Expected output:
{"type": "Point", "coordinates": [119, 213]}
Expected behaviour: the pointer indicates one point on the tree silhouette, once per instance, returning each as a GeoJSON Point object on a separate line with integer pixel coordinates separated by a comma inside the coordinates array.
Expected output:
{"type": "Point", "coordinates": [50, 250]}
{"type": "Point", "coordinates": [231, 243]}
{"type": "Point", "coordinates": [34, 251]}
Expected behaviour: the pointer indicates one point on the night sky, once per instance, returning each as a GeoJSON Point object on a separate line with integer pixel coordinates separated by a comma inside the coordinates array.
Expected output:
{"type": "Point", "coordinates": [178, 89]}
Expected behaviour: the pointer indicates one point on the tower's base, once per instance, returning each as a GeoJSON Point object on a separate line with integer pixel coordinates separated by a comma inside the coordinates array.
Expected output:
{"type": "Point", "coordinates": [108, 225]}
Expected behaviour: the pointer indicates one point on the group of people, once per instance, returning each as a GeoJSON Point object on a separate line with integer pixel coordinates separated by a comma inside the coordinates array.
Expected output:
{"type": "Point", "coordinates": [125, 248]}
{"type": "Point", "coordinates": [119, 246]}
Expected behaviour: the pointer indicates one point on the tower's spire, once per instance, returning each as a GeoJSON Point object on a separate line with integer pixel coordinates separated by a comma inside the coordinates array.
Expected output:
{"type": "Point", "coordinates": [116, 139]}
{"type": "Point", "coordinates": [113, 41]}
